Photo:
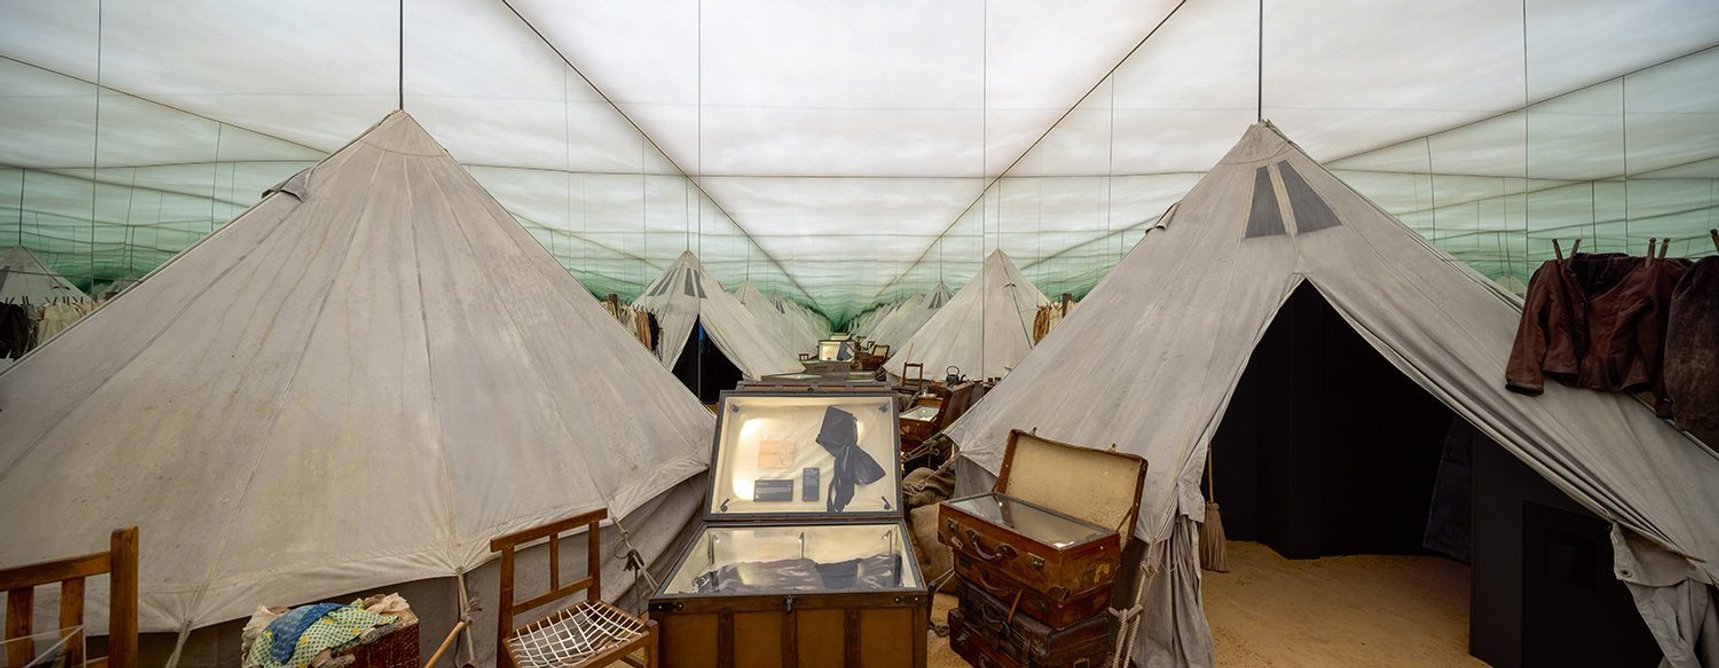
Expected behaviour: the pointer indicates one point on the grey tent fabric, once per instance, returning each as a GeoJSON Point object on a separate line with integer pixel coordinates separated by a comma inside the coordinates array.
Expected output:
{"type": "Point", "coordinates": [356, 383]}
{"type": "Point", "coordinates": [27, 278]}
{"type": "Point", "coordinates": [23, 277]}
{"type": "Point", "coordinates": [1151, 359]}
{"type": "Point", "coordinates": [985, 329]}
{"type": "Point", "coordinates": [901, 324]}
{"type": "Point", "coordinates": [782, 320]}
{"type": "Point", "coordinates": [687, 295]}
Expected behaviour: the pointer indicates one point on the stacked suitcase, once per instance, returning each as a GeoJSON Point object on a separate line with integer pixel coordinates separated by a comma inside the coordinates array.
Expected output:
{"type": "Point", "coordinates": [1036, 559]}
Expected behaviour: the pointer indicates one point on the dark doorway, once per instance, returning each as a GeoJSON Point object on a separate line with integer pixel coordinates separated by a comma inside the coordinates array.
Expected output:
{"type": "Point", "coordinates": [1326, 449]}
{"type": "Point", "coordinates": [703, 368]}
{"type": "Point", "coordinates": [1543, 589]}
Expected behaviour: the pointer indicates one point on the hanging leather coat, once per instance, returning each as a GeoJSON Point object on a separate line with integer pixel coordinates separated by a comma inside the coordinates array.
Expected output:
{"type": "Point", "coordinates": [1594, 320]}
{"type": "Point", "coordinates": [1692, 352]}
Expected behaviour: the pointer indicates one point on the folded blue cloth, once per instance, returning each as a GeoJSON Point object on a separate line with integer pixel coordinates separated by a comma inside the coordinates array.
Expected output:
{"type": "Point", "coordinates": [287, 628]}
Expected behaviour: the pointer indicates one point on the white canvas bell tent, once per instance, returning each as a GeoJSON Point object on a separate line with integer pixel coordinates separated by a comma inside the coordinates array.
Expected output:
{"type": "Point", "coordinates": [902, 324]}
{"type": "Point", "coordinates": [890, 315]}
{"type": "Point", "coordinates": [866, 323]}
{"type": "Point", "coordinates": [1151, 360]}
{"type": "Point", "coordinates": [788, 329]}
{"type": "Point", "coordinates": [814, 327]}
{"type": "Point", "coordinates": [985, 329]}
{"type": "Point", "coordinates": [686, 297]}
{"type": "Point", "coordinates": [23, 276]}
{"type": "Point", "coordinates": [24, 279]}
{"type": "Point", "coordinates": [355, 384]}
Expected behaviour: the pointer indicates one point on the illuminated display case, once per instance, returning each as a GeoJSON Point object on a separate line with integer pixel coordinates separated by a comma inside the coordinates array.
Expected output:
{"type": "Point", "coordinates": [803, 558]}
{"type": "Point", "coordinates": [836, 350]}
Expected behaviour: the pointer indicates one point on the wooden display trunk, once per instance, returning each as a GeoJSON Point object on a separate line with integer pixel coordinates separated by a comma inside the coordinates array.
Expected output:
{"type": "Point", "coordinates": [793, 567]}
{"type": "Point", "coordinates": [810, 631]}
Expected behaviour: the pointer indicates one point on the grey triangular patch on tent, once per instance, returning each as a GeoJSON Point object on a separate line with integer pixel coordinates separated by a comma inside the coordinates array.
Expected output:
{"type": "Point", "coordinates": [1264, 219]}
{"type": "Point", "coordinates": [1311, 211]}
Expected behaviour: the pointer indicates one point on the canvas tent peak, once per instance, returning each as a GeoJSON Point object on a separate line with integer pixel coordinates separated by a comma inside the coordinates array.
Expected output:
{"type": "Point", "coordinates": [901, 324]}
{"type": "Point", "coordinates": [686, 295]}
{"type": "Point", "coordinates": [1153, 357]}
{"type": "Point", "coordinates": [984, 329]}
{"type": "Point", "coordinates": [789, 329]}
{"type": "Point", "coordinates": [323, 396]}
{"type": "Point", "coordinates": [25, 276]}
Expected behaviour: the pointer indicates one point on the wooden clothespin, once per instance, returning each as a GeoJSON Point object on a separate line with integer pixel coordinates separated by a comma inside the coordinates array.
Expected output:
{"type": "Point", "coordinates": [1714, 234]}
{"type": "Point", "coordinates": [1664, 247]}
{"type": "Point", "coordinates": [1576, 247]}
{"type": "Point", "coordinates": [1557, 251]}
{"type": "Point", "coordinates": [1652, 248]}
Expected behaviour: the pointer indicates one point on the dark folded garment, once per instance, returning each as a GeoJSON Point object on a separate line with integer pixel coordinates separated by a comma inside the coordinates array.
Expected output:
{"type": "Point", "coordinates": [878, 571]}
{"type": "Point", "coordinates": [761, 576]}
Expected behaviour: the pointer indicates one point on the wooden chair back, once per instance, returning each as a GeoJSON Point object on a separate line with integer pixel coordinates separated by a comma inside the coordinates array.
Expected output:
{"type": "Point", "coordinates": [119, 562]}
{"type": "Point", "coordinates": [913, 372]}
{"type": "Point", "coordinates": [509, 546]}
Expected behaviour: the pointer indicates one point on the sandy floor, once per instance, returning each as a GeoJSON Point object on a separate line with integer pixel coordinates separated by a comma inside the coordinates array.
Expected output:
{"type": "Point", "coordinates": [938, 654]}
{"type": "Point", "coordinates": [1338, 611]}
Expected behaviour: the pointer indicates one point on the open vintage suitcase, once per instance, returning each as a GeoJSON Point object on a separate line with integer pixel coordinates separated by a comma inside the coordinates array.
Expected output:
{"type": "Point", "coordinates": [1047, 544]}
{"type": "Point", "coordinates": [804, 557]}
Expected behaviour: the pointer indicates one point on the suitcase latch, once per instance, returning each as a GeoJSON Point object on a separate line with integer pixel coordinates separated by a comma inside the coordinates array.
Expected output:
{"type": "Point", "coordinates": [788, 602]}
{"type": "Point", "coordinates": [1037, 562]}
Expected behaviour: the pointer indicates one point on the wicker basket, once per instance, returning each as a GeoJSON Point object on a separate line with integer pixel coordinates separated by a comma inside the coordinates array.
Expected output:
{"type": "Point", "coordinates": [395, 649]}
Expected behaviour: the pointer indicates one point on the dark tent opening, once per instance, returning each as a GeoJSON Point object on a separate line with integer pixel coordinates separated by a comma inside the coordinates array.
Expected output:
{"type": "Point", "coordinates": [1326, 449]}
{"type": "Point", "coordinates": [703, 368]}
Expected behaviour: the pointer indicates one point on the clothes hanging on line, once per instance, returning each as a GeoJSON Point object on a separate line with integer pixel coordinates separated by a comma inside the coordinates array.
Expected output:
{"type": "Point", "coordinates": [57, 317]}
{"type": "Point", "coordinates": [1596, 320]}
{"type": "Point", "coordinates": [1692, 352]}
{"type": "Point", "coordinates": [17, 330]}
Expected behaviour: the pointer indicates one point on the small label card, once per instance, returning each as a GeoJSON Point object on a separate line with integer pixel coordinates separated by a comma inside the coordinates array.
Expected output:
{"type": "Point", "coordinates": [775, 454]}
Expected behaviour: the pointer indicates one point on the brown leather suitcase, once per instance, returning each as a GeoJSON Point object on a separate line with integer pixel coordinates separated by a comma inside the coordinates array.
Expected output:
{"type": "Point", "coordinates": [1054, 612]}
{"type": "Point", "coordinates": [971, 644]}
{"type": "Point", "coordinates": [1056, 527]}
{"type": "Point", "coordinates": [1029, 641]}
{"type": "Point", "coordinates": [968, 645]}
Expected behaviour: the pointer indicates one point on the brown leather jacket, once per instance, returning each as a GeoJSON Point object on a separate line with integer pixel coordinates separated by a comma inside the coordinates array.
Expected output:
{"type": "Point", "coordinates": [1595, 320]}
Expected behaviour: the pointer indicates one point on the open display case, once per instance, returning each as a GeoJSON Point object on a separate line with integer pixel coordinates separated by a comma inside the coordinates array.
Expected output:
{"type": "Point", "coordinates": [819, 381]}
{"type": "Point", "coordinates": [803, 558]}
{"type": "Point", "coordinates": [836, 350]}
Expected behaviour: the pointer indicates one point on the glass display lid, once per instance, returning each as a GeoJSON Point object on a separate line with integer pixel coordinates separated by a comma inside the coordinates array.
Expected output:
{"type": "Point", "coordinates": [752, 559]}
{"type": "Point", "coordinates": [921, 413]}
{"type": "Point", "coordinates": [1032, 521]}
{"type": "Point", "coordinates": [805, 454]}
{"type": "Point", "coordinates": [834, 350]}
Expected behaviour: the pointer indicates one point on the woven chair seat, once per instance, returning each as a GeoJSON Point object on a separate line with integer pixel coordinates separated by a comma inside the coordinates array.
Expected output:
{"type": "Point", "coordinates": [570, 637]}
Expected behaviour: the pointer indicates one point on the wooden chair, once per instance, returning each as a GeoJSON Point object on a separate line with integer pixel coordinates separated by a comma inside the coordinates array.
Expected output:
{"type": "Point", "coordinates": [591, 633]}
{"type": "Point", "coordinates": [913, 374]}
{"type": "Point", "coordinates": [119, 562]}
